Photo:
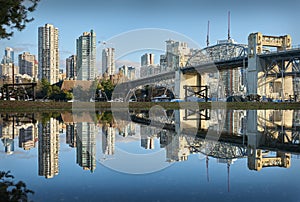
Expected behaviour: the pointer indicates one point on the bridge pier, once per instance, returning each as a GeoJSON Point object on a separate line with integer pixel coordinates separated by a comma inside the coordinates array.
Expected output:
{"type": "Point", "coordinates": [253, 137]}
{"type": "Point", "coordinates": [181, 80]}
{"type": "Point", "coordinates": [189, 125]}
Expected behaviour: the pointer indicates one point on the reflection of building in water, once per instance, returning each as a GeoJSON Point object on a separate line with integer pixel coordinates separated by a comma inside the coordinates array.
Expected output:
{"type": "Point", "coordinates": [108, 140]}
{"type": "Point", "coordinates": [28, 136]}
{"type": "Point", "coordinates": [128, 128]}
{"type": "Point", "coordinates": [48, 148]}
{"type": "Point", "coordinates": [7, 138]}
{"type": "Point", "coordinates": [71, 133]}
{"type": "Point", "coordinates": [8, 144]}
{"type": "Point", "coordinates": [86, 145]}
{"type": "Point", "coordinates": [177, 149]}
{"type": "Point", "coordinates": [21, 126]}
{"type": "Point", "coordinates": [235, 121]}
{"type": "Point", "coordinates": [148, 135]}
{"type": "Point", "coordinates": [147, 142]}
{"type": "Point", "coordinates": [70, 120]}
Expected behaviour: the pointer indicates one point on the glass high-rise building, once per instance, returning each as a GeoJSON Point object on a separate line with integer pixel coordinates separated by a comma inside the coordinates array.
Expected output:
{"type": "Point", "coordinates": [7, 67]}
{"type": "Point", "coordinates": [71, 68]}
{"type": "Point", "coordinates": [147, 59]}
{"type": "Point", "coordinates": [86, 56]}
{"type": "Point", "coordinates": [48, 55]}
{"type": "Point", "coordinates": [9, 56]}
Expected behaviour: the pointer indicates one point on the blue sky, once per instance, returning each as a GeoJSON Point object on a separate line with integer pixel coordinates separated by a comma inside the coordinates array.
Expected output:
{"type": "Point", "coordinates": [189, 17]}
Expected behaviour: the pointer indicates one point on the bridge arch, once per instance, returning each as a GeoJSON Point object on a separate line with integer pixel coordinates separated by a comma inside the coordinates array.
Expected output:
{"type": "Point", "coordinates": [218, 53]}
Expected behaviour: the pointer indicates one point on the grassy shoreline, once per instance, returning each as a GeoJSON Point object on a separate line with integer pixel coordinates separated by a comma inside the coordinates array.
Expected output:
{"type": "Point", "coordinates": [22, 106]}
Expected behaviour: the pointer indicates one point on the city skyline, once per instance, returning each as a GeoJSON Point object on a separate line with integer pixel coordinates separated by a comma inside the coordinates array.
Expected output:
{"type": "Point", "coordinates": [191, 22]}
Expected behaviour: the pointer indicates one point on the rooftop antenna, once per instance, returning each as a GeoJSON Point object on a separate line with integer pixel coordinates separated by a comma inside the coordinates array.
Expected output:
{"type": "Point", "coordinates": [207, 37]}
{"type": "Point", "coordinates": [229, 26]}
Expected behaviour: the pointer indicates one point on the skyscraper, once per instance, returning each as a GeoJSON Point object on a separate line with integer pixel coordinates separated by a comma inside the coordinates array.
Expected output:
{"type": "Point", "coordinates": [28, 65]}
{"type": "Point", "coordinates": [128, 72]}
{"type": "Point", "coordinates": [108, 61]}
{"type": "Point", "coordinates": [8, 56]}
{"type": "Point", "coordinates": [48, 53]}
{"type": "Point", "coordinates": [7, 67]}
{"type": "Point", "coordinates": [86, 56]}
{"type": "Point", "coordinates": [71, 67]}
{"type": "Point", "coordinates": [147, 65]}
{"type": "Point", "coordinates": [147, 59]}
{"type": "Point", "coordinates": [177, 53]}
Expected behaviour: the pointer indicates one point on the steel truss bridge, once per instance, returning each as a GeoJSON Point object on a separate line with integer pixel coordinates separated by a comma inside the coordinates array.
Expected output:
{"type": "Point", "coordinates": [227, 56]}
{"type": "Point", "coordinates": [282, 59]}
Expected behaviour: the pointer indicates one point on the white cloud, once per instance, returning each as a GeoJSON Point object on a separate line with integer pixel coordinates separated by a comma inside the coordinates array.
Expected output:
{"type": "Point", "coordinates": [24, 47]}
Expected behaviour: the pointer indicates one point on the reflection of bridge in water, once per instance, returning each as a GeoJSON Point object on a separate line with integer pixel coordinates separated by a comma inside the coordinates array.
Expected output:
{"type": "Point", "coordinates": [272, 145]}
{"type": "Point", "coordinates": [265, 137]}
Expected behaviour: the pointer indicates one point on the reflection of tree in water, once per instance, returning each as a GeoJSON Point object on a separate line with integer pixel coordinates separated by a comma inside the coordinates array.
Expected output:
{"type": "Point", "coordinates": [105, 117]}
{"type": "Point", "coordinates": [11, 191]}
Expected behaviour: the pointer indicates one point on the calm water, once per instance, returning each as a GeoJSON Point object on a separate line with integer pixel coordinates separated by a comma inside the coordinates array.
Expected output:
{"type": "Point", "coordinates": [156, 155]}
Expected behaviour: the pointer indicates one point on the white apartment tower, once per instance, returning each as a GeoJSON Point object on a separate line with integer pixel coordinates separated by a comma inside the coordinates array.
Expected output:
{"type": "Point", "coordinates": [48, 56]}
{"type": "Point", "coordinates": [108, 61]}
{"type": "Point", "coordinates": [177, 53]}
{"type": "Point", "coordinates": [86, 56]}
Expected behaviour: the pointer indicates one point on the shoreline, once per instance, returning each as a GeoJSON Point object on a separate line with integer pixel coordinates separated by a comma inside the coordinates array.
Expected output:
{"type": "Point", "coordinates": [29, 106]}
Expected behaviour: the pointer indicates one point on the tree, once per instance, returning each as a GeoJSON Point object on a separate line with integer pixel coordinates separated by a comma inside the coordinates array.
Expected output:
{"type": "Point", "coordinates": [44, 89]}
{"type": "Point", "coordinates": [11, 191]}
{"type": "Point", "coordinates": [14, 15]}
{"type": "Point", "coordinates": [108, 87]}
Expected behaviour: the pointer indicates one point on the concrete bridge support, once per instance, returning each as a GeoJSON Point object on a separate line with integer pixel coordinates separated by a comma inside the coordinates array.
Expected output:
{"type": "Point", "coordinates": [192, 79]}
{"type": "Point", "coordinates": [254, 138]}
{"type": "Point", "coordinates": [189, 125]}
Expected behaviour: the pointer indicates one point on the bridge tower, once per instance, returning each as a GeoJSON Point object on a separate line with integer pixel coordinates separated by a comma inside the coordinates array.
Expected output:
{"type": "Point", "coordinates": [256, 66]}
